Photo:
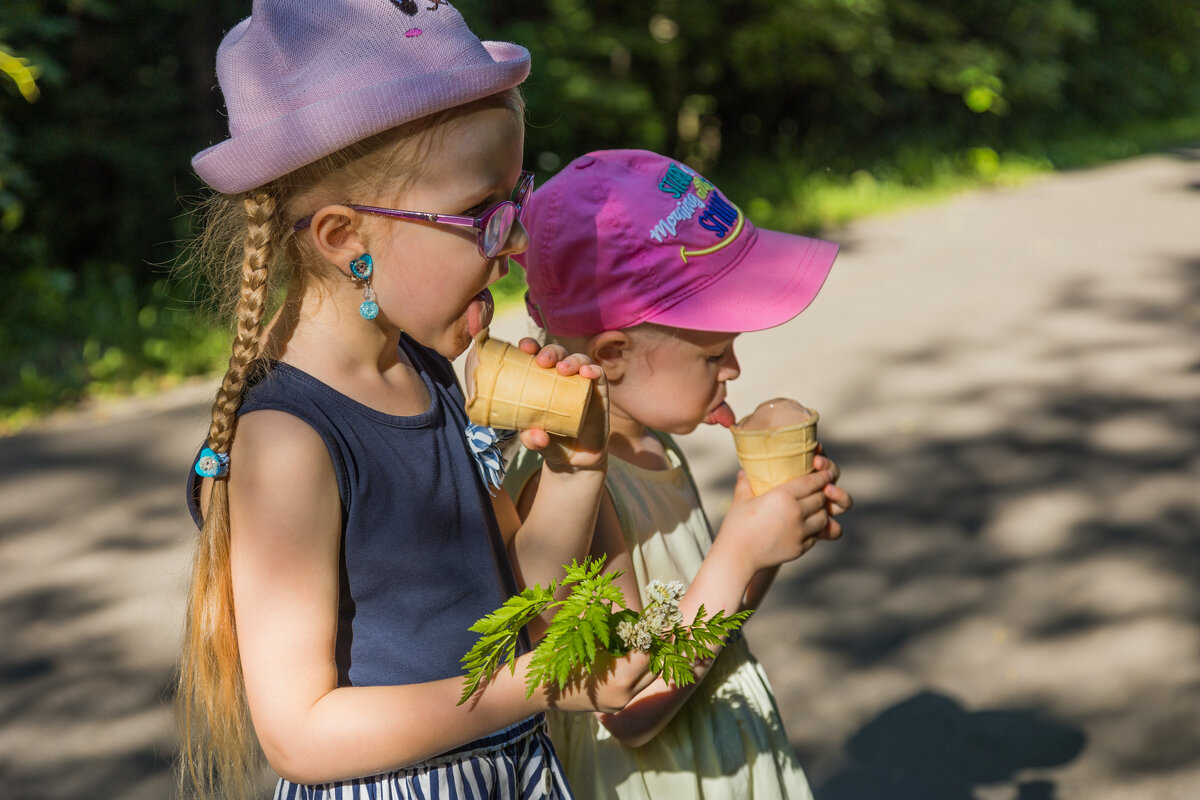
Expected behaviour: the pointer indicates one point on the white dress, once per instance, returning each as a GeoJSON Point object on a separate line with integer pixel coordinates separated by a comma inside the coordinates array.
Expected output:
{"type": "Point", "coordinates": [727, 742]}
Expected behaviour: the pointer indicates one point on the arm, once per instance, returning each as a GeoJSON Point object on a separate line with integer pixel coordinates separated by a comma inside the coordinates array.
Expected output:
{"type": "Point", "coordinates": [284, 555]}
{"type": "Point", "coordinates": [778, 527]}
{"type": "Point", "coordinates": [557, 528]}
{"type": "Point", "coordinates": [758, 534]}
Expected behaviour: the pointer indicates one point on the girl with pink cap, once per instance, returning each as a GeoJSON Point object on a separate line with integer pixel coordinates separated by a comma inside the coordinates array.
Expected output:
{"type": "Point", "coordinates": [641, 263]}
{"type": "Point", "coordinates": [348, 538]}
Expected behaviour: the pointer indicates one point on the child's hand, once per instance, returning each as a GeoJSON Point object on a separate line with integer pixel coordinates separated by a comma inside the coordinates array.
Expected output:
{"type": "Point", "coordinates": [780, 525]}
{"type": "Point", "coordinates": [590, 449]}
{"type": "Point", "coordinates": [837, 500]}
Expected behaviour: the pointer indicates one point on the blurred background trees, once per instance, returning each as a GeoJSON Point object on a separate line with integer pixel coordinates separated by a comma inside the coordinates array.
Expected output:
{"type": "Point", "coordinates": [778, 100]}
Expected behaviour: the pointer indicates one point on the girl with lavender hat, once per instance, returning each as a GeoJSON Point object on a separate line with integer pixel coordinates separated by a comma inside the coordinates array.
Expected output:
{"type": "Point", "coordinates": [347, 536]}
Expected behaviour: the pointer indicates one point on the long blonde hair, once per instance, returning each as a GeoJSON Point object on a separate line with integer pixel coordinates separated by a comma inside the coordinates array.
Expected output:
{"type": "Point", "coordinates": [244, 247]}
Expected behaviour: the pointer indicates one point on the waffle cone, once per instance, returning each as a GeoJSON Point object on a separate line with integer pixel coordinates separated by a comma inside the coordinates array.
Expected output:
{"type": "Point", "coordinates": [508, 390]}
{"type": "Point", "coordinates": [777, 455]}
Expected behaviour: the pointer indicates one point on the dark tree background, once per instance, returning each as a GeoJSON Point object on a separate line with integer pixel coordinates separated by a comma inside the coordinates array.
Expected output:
{"type": "Point", "coordinates": [753, 92]}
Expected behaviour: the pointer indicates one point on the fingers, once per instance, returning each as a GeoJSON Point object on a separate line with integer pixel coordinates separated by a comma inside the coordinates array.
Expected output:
{"type": "Point", "coordinates": [839, 500]}
{"type": "Point", "coordinates": [824, 463]}
{"type": "Point", "coordinates": [809, 484]}
{"type": "Point", "coordinates": [640, 664]}
{"type": "Point", "coordinates": [832, 531]}
{"type": "Point", "coordinates": [815, 518]}
{"type": "Point", "coordinates": [741, 490]}
{"type": "Point", "coordinates": [545, 356]}
{"type": "Point", "coordinates": [535, 439]}
{"type": "Point", "coordinates": [555, 355]}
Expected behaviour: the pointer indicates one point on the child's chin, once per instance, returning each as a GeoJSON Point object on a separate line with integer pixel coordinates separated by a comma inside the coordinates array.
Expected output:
{"type": "Point", "coordinates": [450, 344]}
{"type": "Point", "coordinates": [456, 349]}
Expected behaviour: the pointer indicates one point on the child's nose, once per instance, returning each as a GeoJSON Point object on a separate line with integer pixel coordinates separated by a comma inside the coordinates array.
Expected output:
{"type": "Point", "coordinates": [730, 368]}
{"type": "Point", "coordinates": [518, 240]}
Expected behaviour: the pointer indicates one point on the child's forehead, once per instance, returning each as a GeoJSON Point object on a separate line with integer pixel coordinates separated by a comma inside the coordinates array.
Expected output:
{"type": "Point", "coordinates": [660, 335]}
{"type": "Point", "coordinates": [477, 133]}
{"type": "Point", "coordinates": [481, 148]}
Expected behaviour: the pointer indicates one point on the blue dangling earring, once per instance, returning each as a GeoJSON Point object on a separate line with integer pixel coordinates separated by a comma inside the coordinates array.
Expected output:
{"type": "Point", "coordinates": [362, 268]}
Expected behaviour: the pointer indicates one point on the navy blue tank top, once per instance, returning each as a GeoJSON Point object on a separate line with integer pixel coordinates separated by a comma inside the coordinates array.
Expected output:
{"type": "Point", "coordinates": [422, 556]}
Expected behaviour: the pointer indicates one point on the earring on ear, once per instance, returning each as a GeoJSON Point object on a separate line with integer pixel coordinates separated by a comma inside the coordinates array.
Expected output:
{"type": "Point", "coordinates": [362, 268]}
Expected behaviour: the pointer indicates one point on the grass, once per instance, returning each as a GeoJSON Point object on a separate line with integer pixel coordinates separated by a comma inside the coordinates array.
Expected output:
{"type": "Point", "coordinates": [100, 333]}
{"type": "Point", "coordinates": [97, 334]}
{"type": "Point", "coordinates": [801, 198]}
{"type": "Point", "coordinates": [811, 199]}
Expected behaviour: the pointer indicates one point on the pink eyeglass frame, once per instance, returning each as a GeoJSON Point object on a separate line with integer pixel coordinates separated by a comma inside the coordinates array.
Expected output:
{"type": "Point", "coordinates": [520, 195]}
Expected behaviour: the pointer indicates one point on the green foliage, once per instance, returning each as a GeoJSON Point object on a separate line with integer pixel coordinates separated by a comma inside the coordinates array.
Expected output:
{"type": "Point", "coordinates": [834, 83]}
{"type": "Point", "coordinates": [126, 99]}
{"type": "Point", "coordinates": [581, 626]}
{"type": "Point", "coordinates": [808, 112]}
{"type": "Point", "coordinates": [92, 333]}
{"type": "Point", "coordinates": [499, 635]}
{"type": "Point", "coordinates": [590, 621]}
{"type": "Point", "coordinates": [674, 653]}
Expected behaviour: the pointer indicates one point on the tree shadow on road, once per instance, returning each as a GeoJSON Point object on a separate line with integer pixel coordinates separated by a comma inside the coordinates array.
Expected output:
{"type": "Point", "coordinates": [94, 540]}
{"type": "Point", "coordinates": [1041, 557]}
{"type": "Point", "coordinates": [929, 747]}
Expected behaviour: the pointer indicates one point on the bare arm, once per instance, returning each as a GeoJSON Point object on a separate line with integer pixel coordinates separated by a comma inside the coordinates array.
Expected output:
{"type": "Point", "coordinates": [557, 527]}
{"type": "Point", "coordinates": [284, 552]}
{"type": "Point", "coordinates": [758, 534]}
{"type": "Point", "coordinates": [757, 531]}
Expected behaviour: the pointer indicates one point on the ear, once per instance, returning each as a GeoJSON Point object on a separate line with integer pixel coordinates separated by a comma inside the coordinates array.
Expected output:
{"type": "Point", "coordinates": [611, 350]}
{"type": "Point", "coordinates": [337, 237]}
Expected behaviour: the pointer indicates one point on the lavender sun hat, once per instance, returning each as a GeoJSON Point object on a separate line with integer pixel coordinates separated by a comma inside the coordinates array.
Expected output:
{"type": "Point", "coordinates": [303, 79]}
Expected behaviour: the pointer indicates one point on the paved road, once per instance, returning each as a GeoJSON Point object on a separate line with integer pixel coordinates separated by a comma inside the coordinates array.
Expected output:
{"type": "Point", "coordinates": [1010, 383]}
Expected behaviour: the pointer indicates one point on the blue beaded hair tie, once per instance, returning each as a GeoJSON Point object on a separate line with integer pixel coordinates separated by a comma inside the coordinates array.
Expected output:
{"type": "Point", "coordinates": [211, 464]}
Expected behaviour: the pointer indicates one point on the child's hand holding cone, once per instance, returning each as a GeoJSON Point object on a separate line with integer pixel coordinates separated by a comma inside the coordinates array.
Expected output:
{"type": "Point", "coordinates": [540, 391]}
{"type": "Point", "coordinates": [777, 443]}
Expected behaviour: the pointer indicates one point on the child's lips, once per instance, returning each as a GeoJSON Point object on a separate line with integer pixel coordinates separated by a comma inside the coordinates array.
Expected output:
{"type": "Point", "coordinates": [721, 415]}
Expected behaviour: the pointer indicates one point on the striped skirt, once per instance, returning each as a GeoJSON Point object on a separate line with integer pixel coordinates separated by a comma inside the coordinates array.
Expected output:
{"type": "Point", "coordinates": [517, 763]}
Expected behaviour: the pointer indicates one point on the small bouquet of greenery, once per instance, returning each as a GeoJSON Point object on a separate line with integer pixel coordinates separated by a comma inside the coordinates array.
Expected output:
{"type": "Point", "coordinates": [593, 617]}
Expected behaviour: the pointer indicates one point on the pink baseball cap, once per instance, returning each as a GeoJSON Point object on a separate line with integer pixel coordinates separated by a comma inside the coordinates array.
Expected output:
{"type": "Point", "coordinates": [303, 79]}
{"type": "Point", "coordinates": [622, 237]}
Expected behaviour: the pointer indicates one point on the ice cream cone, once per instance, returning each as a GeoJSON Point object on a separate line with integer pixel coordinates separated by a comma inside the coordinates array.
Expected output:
{"type": "Point", "coordinates": [775, 455]}
{"type": "Point", "coordinates": [506, 389]}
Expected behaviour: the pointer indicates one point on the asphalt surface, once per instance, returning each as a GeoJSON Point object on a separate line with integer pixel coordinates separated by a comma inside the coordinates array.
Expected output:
{"type": "Point", "coordinates": [1010, 383]}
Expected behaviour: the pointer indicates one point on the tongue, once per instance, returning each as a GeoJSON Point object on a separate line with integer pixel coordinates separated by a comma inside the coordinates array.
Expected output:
{"type": "Point", "coordinates": [721, 415]}
{"type": "Point", "coordinates": [479, 313]}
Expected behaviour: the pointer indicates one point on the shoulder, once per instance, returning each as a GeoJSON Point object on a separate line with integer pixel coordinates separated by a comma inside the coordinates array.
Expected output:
{"type": "Point", "coordinates": [672, 448]}
{"type": "Point", "coordinates": [278, 460]}
{"type": "Point", "coordinates": [275, 430]}
{"type": "Point", "coordinates": [278, 455]}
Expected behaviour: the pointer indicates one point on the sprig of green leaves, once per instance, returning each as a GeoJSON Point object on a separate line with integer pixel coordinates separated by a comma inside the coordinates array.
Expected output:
{"type": "Point", "coordinates": [590, 620]}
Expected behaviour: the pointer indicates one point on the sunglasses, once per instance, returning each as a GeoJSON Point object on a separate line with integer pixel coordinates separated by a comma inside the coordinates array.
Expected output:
{"type": "Point", "coordinates": [492, 227]}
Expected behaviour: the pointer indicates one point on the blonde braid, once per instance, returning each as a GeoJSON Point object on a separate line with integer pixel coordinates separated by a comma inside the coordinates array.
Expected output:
{"type": "Point", "coordinates": [247, 343]}
{"type": "Point", "coordinates": [220, 754]}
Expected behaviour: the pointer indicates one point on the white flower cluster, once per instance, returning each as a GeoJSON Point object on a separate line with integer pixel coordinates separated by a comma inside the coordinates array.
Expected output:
{"type": "Point", "coordinates": [660, 616]}
{"type": "Point", "coordinates": [635, 635]}
{"type": "Point", "coordinates": [665, 593]}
